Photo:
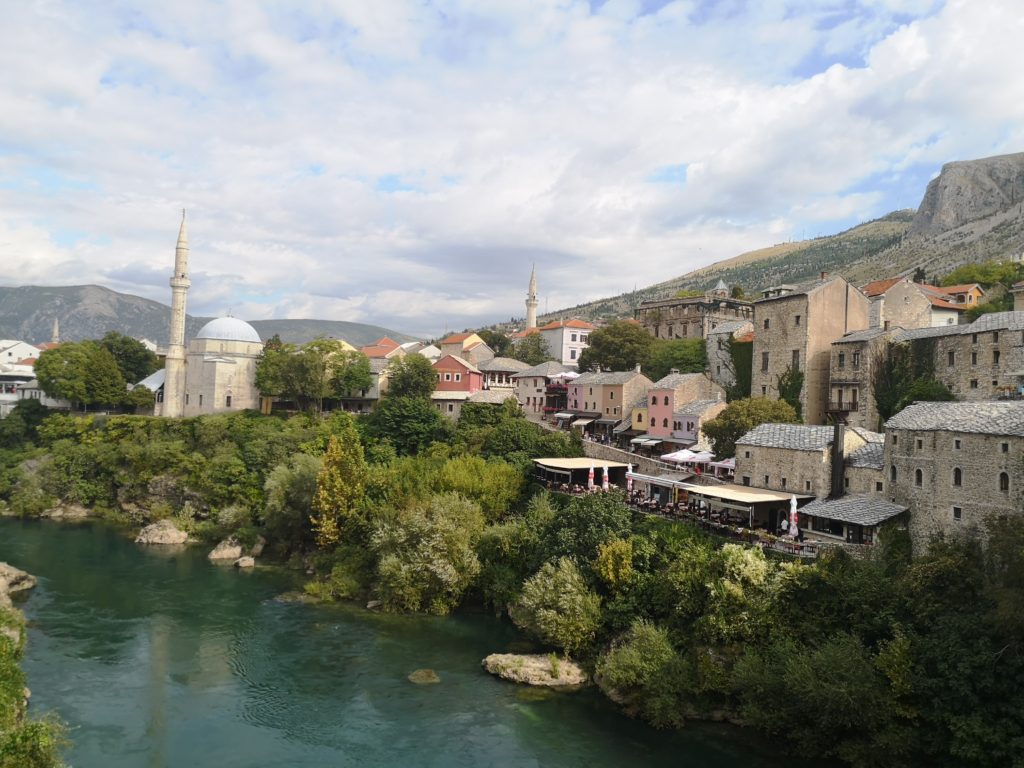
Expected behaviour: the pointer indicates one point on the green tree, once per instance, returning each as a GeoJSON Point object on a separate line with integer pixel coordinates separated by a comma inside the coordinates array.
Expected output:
{"type": "Point", "coordinates": [410, 424]}
{"type": "Point", "coordinates": [685, 355]}
{"type": "Point", "coordinates": [790, 384]}
{"type": "Point", "coordinates": [737, 292]}
{"type": "Point", "coordinates": [289, 493]}
{"type": "Point", "coordinates": [426, 556]}
{"type": "Point", "coordinates": [557, 606]}
{"type": "Point", "coordinates": [340, 486]}
{"type": "Point", "coordinates": [619, 346]}
{"type": "Point", "coordinates": [741, 362]}
{"type": "Point", "coordinates": [532, 349]}
{"type": "Point", "coordinates": [411, 376]}
{"type": "Point", "coordinates": [352, 373]}
{"type": "Point", "coordinates": [133, 359]}
{"type": "Point", "coordinates": [741, 416]}
{"type": "Point", "coordinates": [84, 372]}
{"type": "Point", "coordinates": [496, 340]}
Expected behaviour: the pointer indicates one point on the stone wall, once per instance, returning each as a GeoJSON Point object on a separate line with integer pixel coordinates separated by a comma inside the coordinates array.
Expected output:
{"type": "Point", "coordinates": [850, 371]}
{"type": "Point", "coordinates": [935, 500]}
{"type": "Point", "coordinates": [720, 365]}
{"type": "Point", "coordinates": [690, 318]}
{"type": "Point", "coordinates": [980, 366]}
{"type": "Point", "coordinates": [864, 481]}
{"type": "Point", "coordinates": [781, 469]}
{"type": "Point", "coordinates": [641, 464]}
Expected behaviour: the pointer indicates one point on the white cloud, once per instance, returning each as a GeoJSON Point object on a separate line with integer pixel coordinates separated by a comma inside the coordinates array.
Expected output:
{"type": "Point", "coordinates": [404, 163]}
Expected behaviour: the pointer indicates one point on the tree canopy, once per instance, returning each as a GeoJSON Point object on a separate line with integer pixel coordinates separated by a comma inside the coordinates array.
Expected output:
{"type": "Point", "coordinates": [411, 376]}
{"type": "Point", "coordinates": [133, 359]}
{"type": "Point", "coordinates": [312, 372]}
{"type": "Point", "coordinates": [84, 372]}
{"type": "Point", "coordinates": [619, 346]}
{"type": "Point", "coordinates": [685, 355]}
{"type": "Point", "coordinates": [532, 349]}
{"type": "Point", "coordinates": [741, 416]}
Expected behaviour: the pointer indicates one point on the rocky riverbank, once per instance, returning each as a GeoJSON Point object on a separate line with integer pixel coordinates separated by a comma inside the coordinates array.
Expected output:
{"type": "Point", "coordinates": [536, 669]}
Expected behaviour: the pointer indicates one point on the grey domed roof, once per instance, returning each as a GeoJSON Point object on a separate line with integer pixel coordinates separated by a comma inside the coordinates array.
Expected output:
{"type": "Point", "coordinates": [228, 329]}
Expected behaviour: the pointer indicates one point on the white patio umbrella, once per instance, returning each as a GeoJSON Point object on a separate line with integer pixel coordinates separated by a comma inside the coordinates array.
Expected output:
{"type": "Point", "coordinates": [794, 517]}
{"type": "Point", "coordinates": [604, 478]}
{"type": "Point", "coordinates": [590, 477]}
{"type": "Point", "coordinates": [629, 478]}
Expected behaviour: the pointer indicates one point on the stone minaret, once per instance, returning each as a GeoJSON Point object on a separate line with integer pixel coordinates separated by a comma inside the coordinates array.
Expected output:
{"type": "Point", "coordinates": [531, 301]}
{"type": "Point", "coordinates": [174, 367]}
{"type": "Point", "coordinates": [55, 336]}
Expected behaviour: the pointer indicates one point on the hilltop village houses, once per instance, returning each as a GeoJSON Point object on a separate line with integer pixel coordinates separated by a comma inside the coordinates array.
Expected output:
{"type": "Point", "coordinates": [936, 468]}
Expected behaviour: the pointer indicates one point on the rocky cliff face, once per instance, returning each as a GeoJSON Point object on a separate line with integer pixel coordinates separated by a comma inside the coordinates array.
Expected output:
{"type": "Point", "coordinates": [970, 190]}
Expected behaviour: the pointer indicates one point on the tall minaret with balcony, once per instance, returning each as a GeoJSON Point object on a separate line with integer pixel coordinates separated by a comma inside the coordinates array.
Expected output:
{"type": "Point", "coordinates": [174, 368]}
{"type": "Point", "coordinates": [531, 300]}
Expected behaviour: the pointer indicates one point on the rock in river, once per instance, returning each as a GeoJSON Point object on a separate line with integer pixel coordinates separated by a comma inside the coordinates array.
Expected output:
{"type": "Point", "coordinates": [245, 562]}
{"type": "Point", "coordinates": [536, 669]}
{"type": "Point", "coordinates": [162, 532]}
{"type": "Point", "coordinates": [424, 677]}
{"type": "Point", "coordinates": [228, 550]}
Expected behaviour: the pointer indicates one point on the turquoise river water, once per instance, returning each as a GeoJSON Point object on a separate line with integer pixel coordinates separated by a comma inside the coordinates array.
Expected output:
{"type": "Point", "coordinates": [166, 660]}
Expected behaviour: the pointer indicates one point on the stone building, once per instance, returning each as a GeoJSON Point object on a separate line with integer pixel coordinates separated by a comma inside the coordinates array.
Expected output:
{"type": "Point", "coordinates": [864, 467]}
{"type": "Point", "coordinates": [457, 379]}
{"type": "Point", "coordinates": [679, 404]}
{"type": "Point", "coordinates": [604, 397]}
{"type": "Point", "coordinates": [795, 458]}
{"type": "Point", "coordinates": [500, 372]}
{"type": "Point", "coordinates": [720, 364]}
{"type": "Point", "coordinates": [693, 317]}
{"type": "Point", "coordinates": [851, 366]}
{"type": "Point", "coordinates": [899, 302]}
{"type": "Point", "coordinates": [1018, 296]}
{"type": "Point", "coordinates": [794, 327]}
{"type": "Point", "coordinates": [542, 388]}
{"type": "Point", "coordinates": [955, 465]}
{"type": "Point", "coordinates": [364, 400]}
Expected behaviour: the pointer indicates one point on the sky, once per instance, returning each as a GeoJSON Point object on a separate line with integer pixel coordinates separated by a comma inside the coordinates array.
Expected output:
{"type": "Point", "coordinates": [405, 162]}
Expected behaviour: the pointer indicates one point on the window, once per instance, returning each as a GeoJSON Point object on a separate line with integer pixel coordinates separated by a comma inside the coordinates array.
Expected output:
{"type": "Point", "coordinates": [796, 320]}
{"type": "Point", "coordinates": [974, 338]}
{"type": "Point", "coordinates": [995, 336]}
{"type": "Point", "coordinates": [764, 361]}
{"type": "Point", "coordinates": [654, 400]}
{"type": "Point", "coordinates": [746, 480]}
{"type": "Point", "coordinates": [764, 391]}
{"type": "Point", "coordinates": [746, 454]}
{"type": "Point", "coordinates": [807, 485]}
{"type": "Point", "coordinates": [583, 338]}
{"type": "Point", "coordinates": [895, 439]}
{"type": "Point", "coordinates": [892, 474]}
{"type": "Point", "coordinates": [447, 377]}
{"type": "Point", "coordinates": [974, 358]}
{"type": "Point", "coordinates": [718, 370]}
{"type": "Point", "coordinates": [611, 395]}
{"type": "Point", "coordinates": [995, 357]}
{"type": "Point", "coordinates": [665, 400]}
{"type": "Point", "coordinates": [766, 480]}
{"type": "Point", "coordinates": [591, 390]}
{"type": "Point", "coordinates": [458, 377]}
{"type": "Point", "coordinates": [974, 383]}
{"type": "Point", "coordinates": [572, 354]}
{"type": "Point", "coordinates": [920, 443]}
{"type": "Point", "coordinates": [639, 418]}
{"type": "Point", "coordinates": [951, 358]}
{"type": "Point", "coordinates": [670, 331]}
{"type": "Point", "coordinates": [572, 337]}
{"type": "Point", "coordinates": [878, 487]}
{"type": "Point", "coordinates": [856, 359]}
{"type": "Point", "coordinates": [957, 513]}
{"type": "Point", "coordinates": [842, 360]}
{"type": "Point", "coordinates": [766, 323]}
{"type": "Point", "coordinates": [451, 407]}
{"type": "Point", "coordinates": [200, 400]}
{"type": "Point", "coordinates": [227, 401]}
{"type": "Point", "coordinates": [186, 398]}
{"type": "Point", "coordinates": [956, 444]}
{"type": "Point", "coordinates": [1004, 447]}
{"type": "Point", "coordinates": [653, 422]}
{"type": "Point", "coordinates": [783, 483]}
{"type": "Point", "coordinates": [958, 477]}
{"type": "Point", "coordinates": [664, 422]}
{"type": "Point", "coordinates": [918, 478]}
{"type": "Point", "coordinates": [846, 482]}
{"type": "Point", "coordinates": [796, 359]}
{"type": "Point", "coordinates": [1004, 482]}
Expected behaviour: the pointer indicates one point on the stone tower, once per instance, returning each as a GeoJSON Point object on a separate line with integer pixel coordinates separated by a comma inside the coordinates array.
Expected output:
{"type": "Point", "coordinates": [55, 336]}
{"type": "Point", "coordinates": [531, 300]}
{"type": "Point", "coordinates": [174, 368]}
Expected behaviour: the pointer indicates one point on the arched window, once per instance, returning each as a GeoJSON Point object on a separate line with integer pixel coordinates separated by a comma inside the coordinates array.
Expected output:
{"type": "Point", "coordinates": [666, 400]}
{"type": "Point", "coordinates": [652, 421]}
{"type": "Point", "coordinates": [664, 422]}
{"type": "Point", "coordinates": [654, 400]}
{"type": "Point", "coordinates": [958, 476]}
{"type": "Point", "coordinates": [1004, 482]}
{"type": "Point", "coordinates": [892, 473]}
{"type": "Point", "coordinates": [918, 477]}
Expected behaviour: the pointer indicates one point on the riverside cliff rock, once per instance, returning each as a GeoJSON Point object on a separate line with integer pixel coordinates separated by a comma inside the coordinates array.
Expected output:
{"type": "Point", "coordinates": [163, 532]}
{"type": "Point", "coordinates": [968, 190]}
{"type": "Point", "coordinates": [13, 580]}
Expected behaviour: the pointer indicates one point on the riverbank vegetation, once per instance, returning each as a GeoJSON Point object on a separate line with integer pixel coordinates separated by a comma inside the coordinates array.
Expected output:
{"type": "Point", "coordinates": [886, 661]}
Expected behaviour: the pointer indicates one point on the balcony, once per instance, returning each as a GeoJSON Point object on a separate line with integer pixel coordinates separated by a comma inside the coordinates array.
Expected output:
{"type": "Point", "coordinates": [843, 406]}
{"type": "Point", "coordinates": [556, 389]}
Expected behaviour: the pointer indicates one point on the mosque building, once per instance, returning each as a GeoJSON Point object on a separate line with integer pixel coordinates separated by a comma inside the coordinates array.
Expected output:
{"type": "Point", "coordinates": [216, 373]}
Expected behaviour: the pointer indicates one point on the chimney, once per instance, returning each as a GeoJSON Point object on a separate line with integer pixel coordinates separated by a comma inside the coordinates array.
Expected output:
{"type": "Point", "coordinates": [838, 436]}
{"type": "Point", "coordinates": [637, 369]}
{"type": "Point", "coordinates": [824, 275]}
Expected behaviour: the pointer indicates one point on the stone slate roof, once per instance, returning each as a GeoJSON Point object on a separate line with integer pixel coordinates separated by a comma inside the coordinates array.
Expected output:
{"type": "Point", "coordinates": [547, 369]}
{"type": "Point", "coordinates": [985, 418]}
{"type": "Point", "coordinates": [502, 364]}
{"type": "Point", "coordinates": [866, 335]}
{"type": "Point", "coordinates": [993, 321]}
{"type": "Point", "coordinates": [797, 289]}
{"type": "Point", "coordinates": [673, 380]}
{"type": "Point", "coordinates": [729, 328]}
{"type": "Point", "coordinates": [929, 333]}
{"type": "Point", "coordinates": [795, 437]}
{"type": "Point", "coordinates": [698, 407]}
{"type": "Point", "coordinates": [867, 456]}
{"type": "Point", "coordinates": [378, 364]}
{"type": "Point", "coordinates": [492, 396]}
{"type": "Point", "coordinates": [868, 436]}
{"type": "Point", "coordinates": [606, 377]}
{"type": "Point", "coordinates": [859, 510]}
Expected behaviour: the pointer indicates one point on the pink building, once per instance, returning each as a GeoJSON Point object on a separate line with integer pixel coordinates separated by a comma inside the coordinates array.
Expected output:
{"type": "Point", "coordinates": [457, 379]}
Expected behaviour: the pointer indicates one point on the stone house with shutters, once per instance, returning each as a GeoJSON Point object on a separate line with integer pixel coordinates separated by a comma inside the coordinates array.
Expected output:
{"type": "Point", "coordinates": [898, 301]}
{"type": "Point", "coordinates": [671, 410]}
{"type": "Point", "coordinates": [794, 327]}
{"type": "Point", "coordinates": [851, 366]}
{"type": "Point", "coordinates": [955, 465]}
{"type": "Point", "coordinates": [605, 397]}
{"type": "Point", "coordinates": [694, 317]}
{"type": "Point", "coordinates": [457, 379]}
{"type": "Point", "coordinates": [541, 389]}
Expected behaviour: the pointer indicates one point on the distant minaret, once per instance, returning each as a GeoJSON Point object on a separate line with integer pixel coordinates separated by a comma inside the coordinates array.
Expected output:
{"type": "Point", "coordinates": [55, 336]}
{"type": "Point", "coordinates": [531, 300]}
{"type": "Point", "coordinates": [174, 367]}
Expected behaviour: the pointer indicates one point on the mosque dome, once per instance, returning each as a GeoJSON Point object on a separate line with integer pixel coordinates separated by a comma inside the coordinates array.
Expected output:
{"type": "Point", "coordinates": [229, 329]}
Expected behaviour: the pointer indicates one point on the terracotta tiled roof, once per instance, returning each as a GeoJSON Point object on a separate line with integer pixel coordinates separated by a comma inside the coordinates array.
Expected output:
{"type": "Point", "coordinates": [377, 350]}
{"type": "Point", "coordinates": [963, 288]}
{"type": "Point", "coordinates": [456, 338]}
{"type": "Point", "coordinates": [524, 333]}
{"type": "Point", "coordinates": [878, 287]}
{"type": "Point", "coordinates": [939, 298]}
{"type": "Point", "coordinates": [384, 341]}
{"type": "Point", "coordinates": [27, 361]}
{"type": "Point", "coordinates": [574, 323]}
{"type": "Point", "coordinates": [748, 336]}
{"type": "Point", "coordinates": [459, 361]}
